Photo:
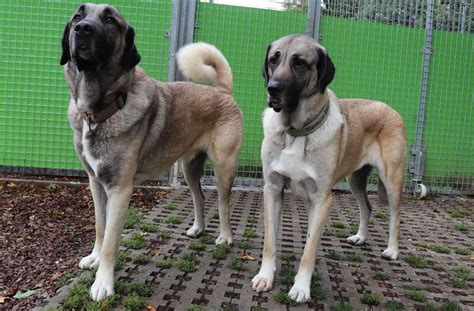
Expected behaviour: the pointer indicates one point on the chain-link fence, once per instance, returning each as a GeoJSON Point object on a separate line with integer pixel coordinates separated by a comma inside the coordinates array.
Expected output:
{"type": "Point", "coordinates": [414, 55]}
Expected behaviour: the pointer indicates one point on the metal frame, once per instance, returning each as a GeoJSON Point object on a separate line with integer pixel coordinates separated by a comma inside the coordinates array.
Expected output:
{"type": "Point", "coordinates": [417, 165]}
{"type": "Point", "coordinates": [181, 33]}
{"type": "Point", "coordinates": [314, 19]}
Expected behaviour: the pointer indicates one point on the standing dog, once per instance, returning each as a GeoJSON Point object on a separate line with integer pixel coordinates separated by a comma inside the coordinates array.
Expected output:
{"type": "Point", "coordinates": [311, 141]}
{"type": "Point", "coordinates": [129, 128]}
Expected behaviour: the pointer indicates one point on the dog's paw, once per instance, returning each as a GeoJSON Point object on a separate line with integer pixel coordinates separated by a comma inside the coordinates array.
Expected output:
{"type": "Point", "coordinates": [390, 254]}
{"type": "Point", "coordinates": [102, 287]}
{"type": "Point", "coordinates": [299, 293]}
{"type": "Point", "coordinates": [224, 238]}
{"type": "Point", "coordinates": [262, 282]}
{"type": "Point", "coordinates": [90, 261]}
{"type": "Point", "coordinates": [356, 239]}
{"type": "Point", "coordinates": [194, 231]}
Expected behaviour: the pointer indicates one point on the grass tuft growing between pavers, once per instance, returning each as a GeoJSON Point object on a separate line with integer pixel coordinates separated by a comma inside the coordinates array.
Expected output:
{"type": "Point", "coordinates": [134, 217]}
{"type": "Point", "coordinates": [136, 241]}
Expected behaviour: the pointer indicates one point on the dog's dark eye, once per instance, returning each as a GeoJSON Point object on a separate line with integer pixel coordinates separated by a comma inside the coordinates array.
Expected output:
{"type": "Point", "coordinates": [109, 19]}
{"type": "Point", "coordinates": [273, 60]}
{"type": "Point", "coordinates": [298, 62]}
{"type": "Point", "coordinates": [76, 17]}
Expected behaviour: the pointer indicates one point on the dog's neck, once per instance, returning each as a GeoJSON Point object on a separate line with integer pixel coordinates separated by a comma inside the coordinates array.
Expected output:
{"type": "Point", "coordinates": [308, 109]}
{"type": "Point", "coordinates": [94, 90]}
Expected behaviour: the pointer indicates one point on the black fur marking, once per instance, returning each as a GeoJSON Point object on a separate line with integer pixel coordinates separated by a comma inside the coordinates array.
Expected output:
{"type": "Point", "coordinates": [265, 66]}
{"type": "Point", "coordinates": [66, 56]}
{"type": "Point", "coordinates": [106, 175]}
{"type": "Point", "coordinates": [130, 57]}
{"type": "Point", "coordinates": [326, 70]}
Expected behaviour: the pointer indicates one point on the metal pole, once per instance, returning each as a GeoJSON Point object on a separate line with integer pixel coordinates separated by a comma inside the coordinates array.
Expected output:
{"type": "Point", "coordinates": [418, 151]}
{"type": "Point", "coordinates": [181, 33]}
{"type": "Point", "coordinates": [463, 15]}
{"type": "Point", "coordinates": [314, 18]}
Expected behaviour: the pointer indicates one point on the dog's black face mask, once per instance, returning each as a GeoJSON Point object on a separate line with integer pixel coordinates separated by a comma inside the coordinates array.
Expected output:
{"type": "Point", "coordinates": [295, 67]}
{"type": "Point", "coordinates": [95, 36]}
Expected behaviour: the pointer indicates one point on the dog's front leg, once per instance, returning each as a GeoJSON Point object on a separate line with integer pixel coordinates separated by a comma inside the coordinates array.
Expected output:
{"type": "Point", "coordinates": [318, 214]}
{"type": "Point", "coordinates": [117, 204]}
{"type": "Point", "coordinates": [100, 202]}
{"type": "Point", "coordinates": [272, 201]}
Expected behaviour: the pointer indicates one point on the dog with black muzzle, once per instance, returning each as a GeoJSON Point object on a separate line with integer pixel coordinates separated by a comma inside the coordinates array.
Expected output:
{"type": "Point", "coordinates": [311, 141]}
{"type": "Point", "coordinates": [129, 128]}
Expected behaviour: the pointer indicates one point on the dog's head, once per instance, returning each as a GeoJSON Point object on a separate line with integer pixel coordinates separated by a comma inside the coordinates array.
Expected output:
{"type": "Point", "coordinates": [295, 67]}
{"type": "Point", "coordinates": [97, 36]}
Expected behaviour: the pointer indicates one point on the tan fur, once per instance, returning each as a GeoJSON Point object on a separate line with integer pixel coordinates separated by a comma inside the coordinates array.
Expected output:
{"type": "Point", "coordinates": [159, 124]}
{"type": "Point", "coordinates": [204, 63]}
{"type": "Point", "coordinates": [358, 134]}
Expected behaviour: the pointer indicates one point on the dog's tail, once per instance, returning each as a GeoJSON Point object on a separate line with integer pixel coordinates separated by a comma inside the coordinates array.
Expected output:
{"type": "Point", "coordinates": [204, 63]}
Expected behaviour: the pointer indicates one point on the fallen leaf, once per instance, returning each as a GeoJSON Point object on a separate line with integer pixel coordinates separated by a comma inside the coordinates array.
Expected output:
{"type": "Point", "coordinates": [246, 256]}
{"type": "Point", "coordinates": [28, 293]}
{"type": "Point", "coordinates": [151, 308]}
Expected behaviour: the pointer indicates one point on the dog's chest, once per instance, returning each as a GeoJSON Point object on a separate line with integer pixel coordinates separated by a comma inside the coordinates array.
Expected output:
{"type": "Point", "coordinates": [87, 150]}
{"type": "Point", "coordinates": [294, 164]}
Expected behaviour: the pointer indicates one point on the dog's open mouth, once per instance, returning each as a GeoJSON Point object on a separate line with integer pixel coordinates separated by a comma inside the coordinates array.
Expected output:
{"type": "Point", "coordinates": [275, 103]}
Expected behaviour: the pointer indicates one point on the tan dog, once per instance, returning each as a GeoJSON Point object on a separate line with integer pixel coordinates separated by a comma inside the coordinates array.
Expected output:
{"type": "Point", "coordinates": [311, 141]}
{"type": "Point", "coordinates": [129, 128]}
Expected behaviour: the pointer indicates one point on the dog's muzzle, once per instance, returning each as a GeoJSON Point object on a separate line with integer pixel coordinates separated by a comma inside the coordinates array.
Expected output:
{"type": "Point", "coordinates": [83, 40]}
{"type": "Point", "coordinates": [274, 89]}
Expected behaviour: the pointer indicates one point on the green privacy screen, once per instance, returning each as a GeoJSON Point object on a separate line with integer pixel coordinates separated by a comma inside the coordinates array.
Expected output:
{"type": "Point", "coordinates": [34, 131]}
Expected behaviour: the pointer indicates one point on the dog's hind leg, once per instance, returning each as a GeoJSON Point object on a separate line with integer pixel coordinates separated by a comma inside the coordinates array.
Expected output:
{"type": "Point", "coordinates": [193, 170]}
{"type": "Point", "coordinates": [223, 153]}
{"type": "Point", "coordinates": [358, 184]}
{"type": "Point", "coordinates": [100, 202]}
{"type": "Point", "coordinates": [393, 182]}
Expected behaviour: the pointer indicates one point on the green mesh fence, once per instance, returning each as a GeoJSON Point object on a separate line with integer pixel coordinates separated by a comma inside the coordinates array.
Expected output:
{"type": "Point", "coordinates": [34, 131]}
{"type": "Point", "coordinates": [243, 34]}
{"type": "Point", "coordinates": [376, 47]}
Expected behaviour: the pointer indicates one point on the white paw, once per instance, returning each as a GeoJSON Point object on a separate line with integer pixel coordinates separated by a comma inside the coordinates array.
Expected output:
{"type": "Point", "coordinates": [224, 238]}
{"type": "Point", "coordinates": [299, 293]}
{"type": "Point", "coordinates": [90, 261]}
{"type": "Point", "coordinates": [102, 287]}
{"type": "Point", "coordinates": [262, 282]}
{"type": "Point", "coordinates": [390, 253]}
{"type": "Point", "coordinates": [194, 231]}
{"type": "Point", "coordinates": [357, 239]}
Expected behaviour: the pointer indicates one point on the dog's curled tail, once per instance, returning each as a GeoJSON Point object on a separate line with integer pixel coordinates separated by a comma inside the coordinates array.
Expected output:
{"type": "Point", "coordinates": [204, 63]}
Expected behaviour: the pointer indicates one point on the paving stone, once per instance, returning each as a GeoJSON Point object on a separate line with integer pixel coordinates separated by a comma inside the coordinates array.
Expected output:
{"type": "Point", "coordinates": [215, 286]}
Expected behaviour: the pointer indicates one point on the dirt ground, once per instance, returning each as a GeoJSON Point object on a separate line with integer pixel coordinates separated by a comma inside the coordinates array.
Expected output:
{"type": "Point", "coordinates": [47, 227]}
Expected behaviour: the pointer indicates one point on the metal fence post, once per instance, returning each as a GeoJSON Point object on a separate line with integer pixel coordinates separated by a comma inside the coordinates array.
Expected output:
{"type": "Point", "coordinates": [418, 152]}
{"type": "Point", "coordinates": [314, 18]}
{"type": "Point", "coordinates": [181, 33]}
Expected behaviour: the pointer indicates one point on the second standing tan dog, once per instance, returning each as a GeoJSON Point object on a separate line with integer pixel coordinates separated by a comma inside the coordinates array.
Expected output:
{"type": "Point", "coordinates": [312, 140]}
{"type": "Point", "coordinates": [129, 128]}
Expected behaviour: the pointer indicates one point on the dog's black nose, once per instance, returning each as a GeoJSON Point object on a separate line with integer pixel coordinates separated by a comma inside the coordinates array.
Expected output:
{"type": "Point", "coordinates": [274, 88]}
{"type": "Point", "coordinates": [84, 28]}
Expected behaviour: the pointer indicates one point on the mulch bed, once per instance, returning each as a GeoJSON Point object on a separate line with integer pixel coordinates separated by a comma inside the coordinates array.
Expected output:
{"type": "Point", "coordinates": [45, 229]}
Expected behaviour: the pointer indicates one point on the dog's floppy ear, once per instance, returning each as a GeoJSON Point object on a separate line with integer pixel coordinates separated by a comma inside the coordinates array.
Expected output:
{"type": "Point", "coordinates": [66, 56]}
{"type": "Point", "coordinates": [326, 70]}
{"type": "Point", "coordinates": [265, 66]}
{"type": "Point", "coordinates": [130, 57]}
